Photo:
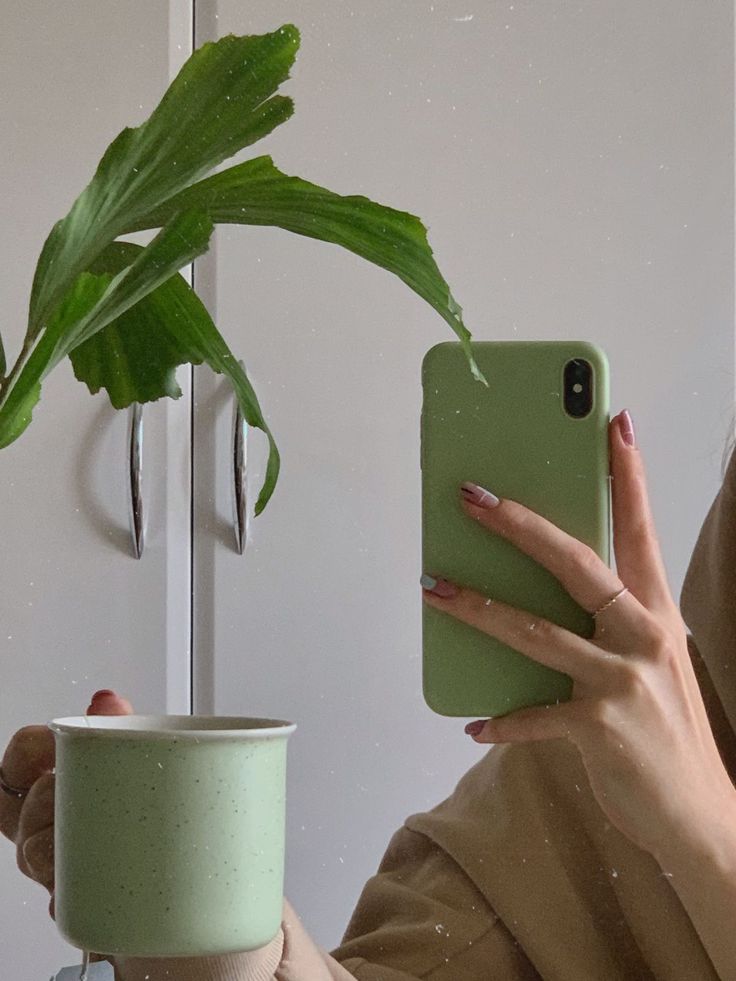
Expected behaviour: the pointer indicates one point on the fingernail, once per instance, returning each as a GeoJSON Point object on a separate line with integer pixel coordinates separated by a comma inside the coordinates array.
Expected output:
{"type": "Point", "coordinates": [475, 728]}
{"type": "Point", "coordinates": [479, 496]}
{"type": "Point", "coordinates": [102, 693]}
{"type": "Point", "coordinates": [439, 587]}
{"type": "Point", "coordinates": [626, 426]}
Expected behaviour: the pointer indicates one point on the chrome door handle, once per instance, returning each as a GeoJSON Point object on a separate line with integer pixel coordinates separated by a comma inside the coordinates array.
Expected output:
{"type": "Point", "coordinates": [135, 464]}
{"type": "Point", "coordinates": [240, 459]}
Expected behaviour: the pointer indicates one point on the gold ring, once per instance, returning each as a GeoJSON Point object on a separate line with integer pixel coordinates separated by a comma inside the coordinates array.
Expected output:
{"type": "Point", "coordinates": [610, 602]}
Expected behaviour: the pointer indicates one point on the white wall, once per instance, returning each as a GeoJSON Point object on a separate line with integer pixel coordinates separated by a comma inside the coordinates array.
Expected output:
{"type": "Point", "coordinates": [574, 163]}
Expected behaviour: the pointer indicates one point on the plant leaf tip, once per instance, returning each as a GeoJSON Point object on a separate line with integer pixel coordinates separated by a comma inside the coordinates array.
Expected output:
{"type": "Point", "coordinates": [292, 32]}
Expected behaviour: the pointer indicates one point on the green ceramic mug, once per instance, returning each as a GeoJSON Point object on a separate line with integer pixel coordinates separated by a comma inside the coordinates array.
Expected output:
{"type": "Point", "coordinates": [169, 833]}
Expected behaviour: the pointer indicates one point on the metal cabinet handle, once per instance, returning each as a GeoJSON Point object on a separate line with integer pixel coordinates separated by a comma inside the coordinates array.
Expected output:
{"type": "Point", "coordinates": [135, 461]}
{"type": "Point", "coordinates": [240, 497]}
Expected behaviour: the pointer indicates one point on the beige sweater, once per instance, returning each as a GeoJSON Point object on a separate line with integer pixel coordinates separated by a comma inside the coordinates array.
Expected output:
{"type": "Point", "coordinates": [518, 874]}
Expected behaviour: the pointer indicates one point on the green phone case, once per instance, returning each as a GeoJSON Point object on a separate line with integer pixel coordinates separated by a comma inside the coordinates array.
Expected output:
{"type": "Point", "coordinates": [515, 439]}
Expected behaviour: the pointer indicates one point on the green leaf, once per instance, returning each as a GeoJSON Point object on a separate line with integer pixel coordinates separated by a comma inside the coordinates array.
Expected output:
{"type": "Point", "coordinates": [3, 363]}
{"type": "Point", "coordinates": [17, 410]}
{"type": "Point", "coordinates": [257, 193]}
{"type": "Point", "coordinates": [221, 101]}
{"type": "Point", "coordinates": [95, 301]}
{"type": "Point", "coordinates": [176, 245]}
{"type": "Point", "coordinates": [135, 357]}
{"type": "Point", "coordinates": [14, 427]}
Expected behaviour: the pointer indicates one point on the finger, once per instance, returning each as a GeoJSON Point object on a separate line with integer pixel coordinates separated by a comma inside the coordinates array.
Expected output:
{"type": "Point", "coordinates": [639, 560]}
{"type": "Point", "coordinates": [36, 815]}
{"type": "Point", "coordinates": [109, 703]}
{"type": "Point", "coordinates": [38, 851]}
{"type": "Point", "coordinates": [528, 725]}
{"type": "Point", "coordinates": [29, 754]}
{"type": "Point", "coordinates": [582, 572]}
{"type": "Point", "coordinates": [540, 639]}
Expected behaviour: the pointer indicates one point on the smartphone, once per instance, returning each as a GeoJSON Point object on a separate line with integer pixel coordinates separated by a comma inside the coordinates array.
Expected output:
{"type": "Point", "coordinates": [538, 434]}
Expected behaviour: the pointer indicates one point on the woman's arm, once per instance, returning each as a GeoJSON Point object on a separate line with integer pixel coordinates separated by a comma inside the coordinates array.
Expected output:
{"type": "Point", "coordinates": [291, 956]}
{"type": "Point", "coordinates": [636, 714]}
{"type": "Point", "coordinates": [701, 865]}
{"type": "Point", "coordinates": [422, 916]}
{"type": "Point", "coordinates": [419, 917]}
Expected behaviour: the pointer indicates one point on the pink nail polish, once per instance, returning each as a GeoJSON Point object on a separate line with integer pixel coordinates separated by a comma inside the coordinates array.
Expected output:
{"type": "Point", "coordinates": [475, 728]}
{"type": "Point", "coordinates": [479, 496]}
{"type": "Point", "coordinates": [438, 587]}
{"type": "Point", "coordinates": [627, 428]}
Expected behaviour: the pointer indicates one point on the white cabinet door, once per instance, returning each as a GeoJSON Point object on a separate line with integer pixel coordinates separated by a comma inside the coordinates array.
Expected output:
{"type": "Point", "coordinates": [77, 611]}
{"type": "Point", "coordinates": [575, 167]}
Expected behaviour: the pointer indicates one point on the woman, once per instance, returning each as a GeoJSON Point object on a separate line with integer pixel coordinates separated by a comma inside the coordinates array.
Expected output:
{"type": "Point", "coordinates": [596, 841]}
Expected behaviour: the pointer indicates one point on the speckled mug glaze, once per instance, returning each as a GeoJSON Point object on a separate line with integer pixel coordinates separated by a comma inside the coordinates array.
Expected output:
{"type": "Point", "coordinates": [169, 832]}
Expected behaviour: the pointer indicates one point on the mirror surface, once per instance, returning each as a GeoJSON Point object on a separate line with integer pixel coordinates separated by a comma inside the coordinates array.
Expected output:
{"type": "Point", "coordinates": [574, 165]}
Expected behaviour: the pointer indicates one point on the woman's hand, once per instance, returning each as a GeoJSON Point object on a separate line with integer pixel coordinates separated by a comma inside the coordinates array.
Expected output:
{"type": "Point", "coordinates": [636, 713]}
{"type": "Point", "coordinates": [27, 763]}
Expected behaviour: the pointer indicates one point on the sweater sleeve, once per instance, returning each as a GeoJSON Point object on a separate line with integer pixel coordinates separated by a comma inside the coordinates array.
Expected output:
{"type": "Point", "coordinates": [291, 956]}
{"type": "Point", "coordinates": [251, 965]}
{"type": "Point", "coordinates": [421, 916]}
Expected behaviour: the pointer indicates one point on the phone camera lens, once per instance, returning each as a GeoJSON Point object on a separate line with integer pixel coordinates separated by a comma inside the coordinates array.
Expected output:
{"type": "Point", "coordinates": [578, 388]}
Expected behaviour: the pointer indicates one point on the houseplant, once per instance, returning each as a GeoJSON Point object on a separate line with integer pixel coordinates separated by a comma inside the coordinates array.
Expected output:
{"type": "Point", "coordinates": [126, 318]}
{"type": "Point", "coordinates": [122, 312]}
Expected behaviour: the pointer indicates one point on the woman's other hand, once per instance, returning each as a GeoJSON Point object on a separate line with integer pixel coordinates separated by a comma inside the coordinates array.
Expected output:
{"type": "Point", "coordinates": [28, 763]}
{"type": "Point", "coordinates": [636, 713]}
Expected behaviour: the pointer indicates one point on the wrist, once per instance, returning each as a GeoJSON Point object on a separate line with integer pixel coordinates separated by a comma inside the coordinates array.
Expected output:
{"type": "Point", "coordinates": [706, 844]}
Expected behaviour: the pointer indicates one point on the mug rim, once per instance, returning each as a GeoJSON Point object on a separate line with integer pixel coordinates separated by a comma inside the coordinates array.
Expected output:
{"type": "Point", "coordinates": [223, 727]}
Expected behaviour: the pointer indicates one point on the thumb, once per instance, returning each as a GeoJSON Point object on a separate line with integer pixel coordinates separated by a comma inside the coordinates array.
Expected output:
{"type": "Point", "coordinates": [107, 702]}
{"type": "Point", "coordinates": [530, 724]}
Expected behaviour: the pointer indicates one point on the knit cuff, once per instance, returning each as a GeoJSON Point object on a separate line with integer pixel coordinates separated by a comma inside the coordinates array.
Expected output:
{"type": "Point", "coordinates": [249, 965]}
